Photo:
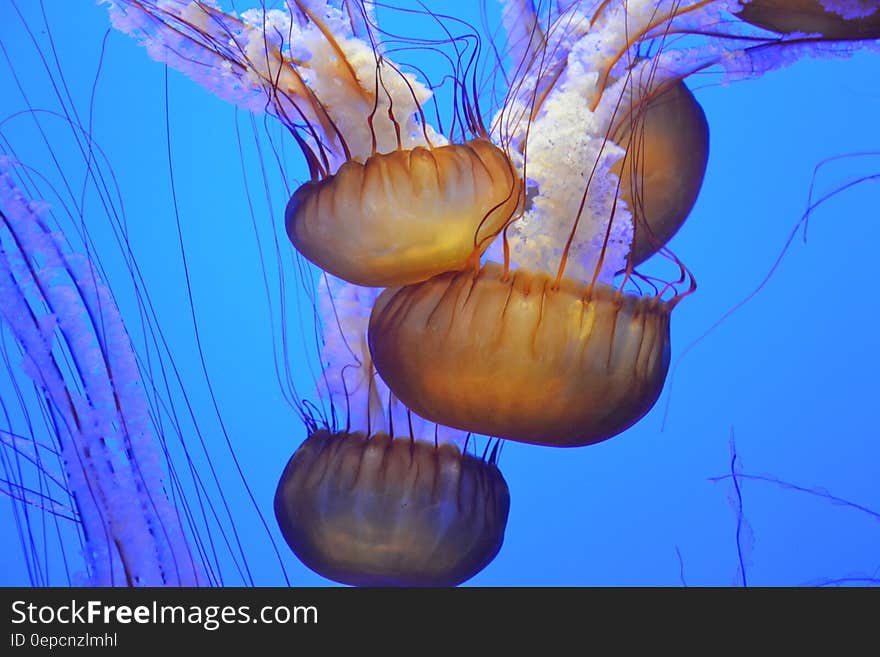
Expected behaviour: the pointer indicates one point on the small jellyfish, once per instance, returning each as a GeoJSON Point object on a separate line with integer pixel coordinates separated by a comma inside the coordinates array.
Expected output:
{"type": "Point", "coordinates": [835, 20]}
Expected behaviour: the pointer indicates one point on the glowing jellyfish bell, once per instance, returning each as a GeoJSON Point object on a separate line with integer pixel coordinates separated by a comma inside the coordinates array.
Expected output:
{"type": "Point", "coordinates": [523, 356]}
{"type": "Point", "coordinates": [390, 202]}
{"type": "Point", "coordinates": [404, 216]}
{"type": "Point", "coordinates": [404, 205]}
{"type": "Point", "coordinates": [832, 19]}
{"type": "Point", "coordinates": [390, 500]}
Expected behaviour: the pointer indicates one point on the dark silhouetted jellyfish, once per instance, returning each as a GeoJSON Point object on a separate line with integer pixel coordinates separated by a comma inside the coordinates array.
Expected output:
{"type": "Point", "coordinates": [832, 19]}
{"type": "Point", "coordinates": [386, 499]}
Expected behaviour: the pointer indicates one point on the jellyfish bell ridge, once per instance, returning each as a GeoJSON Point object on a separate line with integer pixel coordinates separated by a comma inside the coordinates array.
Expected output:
{"type": "Point", "coordinates": [667, 139]}
{"type": "Point", "coordinates": [404, 216]}
{"type": "Point", "coordinates": [812, 16]}
{"type": "Point", "coordinates": [382, 511]}
{"type": "Point", "coordinates": [516, 356]}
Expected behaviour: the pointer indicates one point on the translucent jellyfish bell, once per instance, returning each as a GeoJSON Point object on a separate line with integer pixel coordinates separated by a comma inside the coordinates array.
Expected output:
{"type": "Point", "coordinates": [390, 499]}
{"type": "Point", "coordinates": [404, 205]}
{"type": "Point", "coordinates": [404, 216]}
{"type": "Point", "coordinates": [667, 140]}
{"type": "Point", "coordinates": [389, 202]}
{"type": "Point", "coordinates": [519, 356]}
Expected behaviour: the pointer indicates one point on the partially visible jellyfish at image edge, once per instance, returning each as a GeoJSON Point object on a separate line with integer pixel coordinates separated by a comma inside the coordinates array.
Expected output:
{"type": "Point", "coordinates": [832, 19]}
{"type": "Point", "coordinates": [105, 468]}
{"type": "Point", "coordinates": [517, 311]}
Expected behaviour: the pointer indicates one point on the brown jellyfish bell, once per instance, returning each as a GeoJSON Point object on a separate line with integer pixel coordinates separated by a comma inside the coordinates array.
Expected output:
{"type": "Point", "coordinates": [812, 16]}
{"type": "Point", "coordinates": [514, 354]}
{"type": "Point", "coordinates": [405, 205]}
{"type": "Point", "coordinates": [386, 499]}
{"type": "Point", "coordinates": [389, 201]}
{"type": "Point", "coordinates": [382, 511]}
{"type": "Point", "coordinates": [666, 137]}
{"type": "Point", "coordinates": [404, 216]}
{"type": "Point", "coordinates": [660, 125]}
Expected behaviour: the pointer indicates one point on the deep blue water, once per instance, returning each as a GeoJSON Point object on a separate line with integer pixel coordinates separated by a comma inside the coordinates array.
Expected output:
{"type": "Point", "coordinates": [792, 374]}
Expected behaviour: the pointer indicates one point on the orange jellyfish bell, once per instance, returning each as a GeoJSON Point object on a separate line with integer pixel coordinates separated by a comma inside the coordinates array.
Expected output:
{"type": "Point", "coordinates": [377, 511]}
{"type": "Point", "coordinates": [518, 356]}
{"type": "Point", "coordinates": [393, 203]}
{"type": "Point", "coordinates": [404, 216]}
{"type": "Point", "coordinates": [667, 141]}
{"type": "Point", "coordinates": [815, 16]}
{"type": "Point", "coordinates": [389, 200]}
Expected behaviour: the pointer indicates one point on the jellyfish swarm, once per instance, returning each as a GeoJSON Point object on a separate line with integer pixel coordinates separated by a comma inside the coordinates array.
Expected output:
{"type": "Point", "coordinates": [325, 100]}
{"type": "Point", "coordinates": [512, 348]}
{"type": "Point", "coordinates": [387, 499]}
{"type": "Point", "coordinates": [629, 467]}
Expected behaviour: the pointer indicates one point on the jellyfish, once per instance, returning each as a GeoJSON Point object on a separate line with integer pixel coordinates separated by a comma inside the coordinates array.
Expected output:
{"type": "Point", "coordinates": [76, 350]}
{"type": "Point", "coordinates": [102, 453]}
{"type": "Point", "coordinates": [829, 18]}
{"type": "Point", "coordinates": [593, 361]}
{"type": "Point", "coordinates": [384, 499]}
{"type": "Point", "coordinates": [661, 178]}
{"type": "Point", "coordinates": [390, 201]}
